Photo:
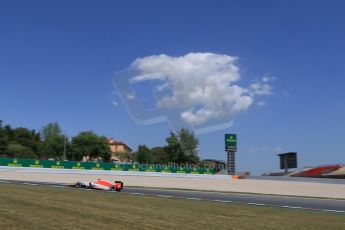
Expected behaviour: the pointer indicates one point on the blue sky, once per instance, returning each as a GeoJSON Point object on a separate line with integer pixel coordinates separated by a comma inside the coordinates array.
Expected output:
{"type": "Point", "coordinates": [57, 60]}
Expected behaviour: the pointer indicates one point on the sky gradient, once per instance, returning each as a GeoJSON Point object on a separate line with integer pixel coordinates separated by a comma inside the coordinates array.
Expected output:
{"type": "Point", "coordinates": [57, 60]}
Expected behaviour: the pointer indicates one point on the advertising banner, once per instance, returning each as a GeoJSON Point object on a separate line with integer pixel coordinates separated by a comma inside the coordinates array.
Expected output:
{"type": "Point", "coordinates": [136, 167]}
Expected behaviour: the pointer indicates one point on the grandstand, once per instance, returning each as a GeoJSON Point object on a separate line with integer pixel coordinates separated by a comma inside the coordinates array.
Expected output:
{"type": "Point", "coordinates": [299, 171]}
{"type": "Point", "coordinates": [318, 171]}
{"type": "Point", "coordinates": [336, 171]}
{"type": "Point", "coordinates": [337, 174]}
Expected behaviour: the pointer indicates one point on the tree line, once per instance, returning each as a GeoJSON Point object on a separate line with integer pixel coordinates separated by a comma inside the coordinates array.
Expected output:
{"type": "Point", "coordinates": [180, 148]}
{"type": "Point", "coordinates": [51, 143]}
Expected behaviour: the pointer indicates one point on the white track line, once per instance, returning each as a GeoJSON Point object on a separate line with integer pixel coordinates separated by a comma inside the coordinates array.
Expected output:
{"type": "Point", "coordinates": [257, 204]}
{"type": "Point", "coordinates": [57, 186]}
{"type": "Point", "coordinates": [164, 196]}
{"type": "Point", "coordinates": [330, 210]}
{"type": "Point", "coordinates": [138, 193]}
{"type": "Point", "coordinates": [30, 184]}
{"type": "Point", "coordinates": [222, 201]}
{"type": "Point", "coordinates": [192, 198]}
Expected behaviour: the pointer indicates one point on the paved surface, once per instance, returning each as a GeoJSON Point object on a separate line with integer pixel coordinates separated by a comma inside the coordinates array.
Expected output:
{"type": "Point", "coordinates": [268, 200]}
{"type": "Point", "coordinates": [314, 204]}
{"type": "Point", "coordinates": [287, 188]}
{"type": "Point", "coordinates": [299, 179]}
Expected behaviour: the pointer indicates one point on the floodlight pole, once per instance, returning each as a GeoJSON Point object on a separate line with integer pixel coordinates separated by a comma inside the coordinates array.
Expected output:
{"type": "Point", "coordinates": [65, 147]}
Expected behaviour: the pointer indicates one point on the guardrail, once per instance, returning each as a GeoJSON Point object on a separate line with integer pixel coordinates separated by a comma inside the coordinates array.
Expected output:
{"type": "Point", "coordinates": [163, 168]}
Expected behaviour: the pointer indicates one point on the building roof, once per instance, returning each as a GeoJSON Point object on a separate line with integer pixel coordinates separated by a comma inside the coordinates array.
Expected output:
{"type": "Point", "coordinates": [112, 141]}
{"type": "Point", "coordinates": [289, 153]}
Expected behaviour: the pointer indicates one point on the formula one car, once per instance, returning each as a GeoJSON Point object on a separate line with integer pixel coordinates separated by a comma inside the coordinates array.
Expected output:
{"type": "Point", "coordinates": [100, 185]}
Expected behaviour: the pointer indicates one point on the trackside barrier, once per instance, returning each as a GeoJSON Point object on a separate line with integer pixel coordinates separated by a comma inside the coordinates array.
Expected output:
{"type": "Point", "coordinates": [163, 168]}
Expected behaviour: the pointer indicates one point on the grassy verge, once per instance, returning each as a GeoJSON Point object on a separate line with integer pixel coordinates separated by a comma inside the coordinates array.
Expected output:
{"type": "Point", "coordinates": [29, 207]}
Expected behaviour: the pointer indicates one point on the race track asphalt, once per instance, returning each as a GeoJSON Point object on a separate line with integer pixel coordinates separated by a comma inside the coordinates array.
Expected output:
{"type": "Point", "coordinates": [316, 204]}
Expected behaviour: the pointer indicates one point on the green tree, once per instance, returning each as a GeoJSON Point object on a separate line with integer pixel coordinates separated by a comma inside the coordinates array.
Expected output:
{"type": "Point", "coordinates": [54, 146]}
{"type": "Point", "coordinates": [51, 130]}
{"type": "Point", "coordinates": [174, 149]}
{"type": "Point", "coordinates": [9, 133]}
{"type": "Point", "coordinates": [159, 155]}
{"type": "Point", "coordinates": [3, 140]}
{"type": "Point", "coordinates": [143, 155]}
{"type": "Point", "coordinates": [189, 145]}
{"type": "Point", "coordinates": [19, 142]}
{"type": "Point", "coordinates": [27, 138]}
{"type": "Point", "coordinates": [53, 141]}
{"type": "Point", "coordinates": [20, 151]}
{"type": "Point", "coordinates": [90, 144]}
{"type": "Point", "coordinates": [182, 148]}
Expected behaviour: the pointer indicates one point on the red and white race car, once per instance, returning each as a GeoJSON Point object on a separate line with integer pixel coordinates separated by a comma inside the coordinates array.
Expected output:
{"type": "Point", "coordinates": [100, 185]}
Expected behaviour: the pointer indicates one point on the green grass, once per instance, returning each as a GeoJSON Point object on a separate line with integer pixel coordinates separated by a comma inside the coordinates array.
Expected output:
{"type": "Point", "coordinates": [29, 207]}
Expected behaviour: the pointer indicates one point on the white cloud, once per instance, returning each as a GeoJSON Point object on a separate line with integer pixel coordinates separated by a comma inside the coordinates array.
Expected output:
{"type": "Point", "coordinates": [267, 78]}
{"type": "Point", "coordinates": [130, 96]}
{"type": "Point", "coordinates": [202, 86]}
{"type": "Point", "coordinates": [163, 86]}
{"type": "Point", "coordinates": [260, 89]}
{"type": "Point", "coordinates": [261, 103]}
{"type": "Point", "coordinates": [148, 76]}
